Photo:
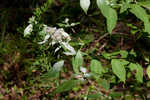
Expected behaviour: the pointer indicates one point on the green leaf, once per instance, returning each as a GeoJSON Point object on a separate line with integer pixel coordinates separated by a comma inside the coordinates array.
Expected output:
{"type": "Point", "coordinates": [123, 53]}
{"type": "Point", "coordinates": [54, 71]}
{"type": "Point", "coordinates": [85, 4]}
{"type": "Point", "coordinates": [145, 4]}
{"type": "Point", "coordinates": [66, 86]}
{"type": "Point", "coordinates": [140, 13]}
{"type": "Point", "coordinates": [77, 62]}
{"type": "Point", "coordinates": [139, 71]}
{"type": "Point", "coordinates": [109, 13]}
{"type": "Point", "coordinates": [105, 84]}
{"type": "Point", "coordinates": [124, 7]}
{"type": "Point", "coordinates": [124, 62]}
{"type": "Point", "coordinates": [58, 66]}
{"type": "Point", "coordinates": [119, 69]}
{"type": "Point", "coordinates": [96, 67]}
{"type": "Point", "coordinates": [148, 71]}
{"type": "Point", "coordinates": [116, 95]}
{"type": "Point", "coordinates": [129, 1]}
{"type": "Point", "coordinates": [94, 96]}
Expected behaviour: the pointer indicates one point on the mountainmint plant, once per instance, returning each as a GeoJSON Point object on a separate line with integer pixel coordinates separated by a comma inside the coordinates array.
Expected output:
{"type": "Point", "coordinates": [53, 36]}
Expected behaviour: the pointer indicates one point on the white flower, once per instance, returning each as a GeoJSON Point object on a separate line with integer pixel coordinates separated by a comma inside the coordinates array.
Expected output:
{"type": "Point", "coordinates": [57, 49]}
{"type": "Point", "coordinates": [83, 70]}
{"type": "Point", "coordinates": [66, 20]}
{"type": "Point", "coordinates": [45, 39]}
{"type": "Point", "coordinates": [58, 36]}
{"type": "Point", "coordinates": [72, 24]}
{"type": "Point", "coordinates": [50, 30]}
{"type": "Point", "coordinates": [87, 75]}
{"type": "Point", "coordinates": [28, 30]}
{"type": "Point", "coordinates": [70, 49]}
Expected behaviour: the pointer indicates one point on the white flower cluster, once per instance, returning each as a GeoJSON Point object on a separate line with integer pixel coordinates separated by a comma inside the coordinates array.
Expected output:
{"type": "Point", "coordinates": [57, 36]}
{"type": "Point", "coordinates": [28, 30]}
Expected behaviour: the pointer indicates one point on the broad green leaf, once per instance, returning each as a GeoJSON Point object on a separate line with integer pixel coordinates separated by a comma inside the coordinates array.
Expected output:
{"type": "Point", "coordinates": [118, 69]}
{"type": "Point", "coordinates": [77, 62]}
{"type": "Point", "coordinates": [124, 62]}
{"type": "Point", "coordinates": [129, 1]}
{"type": "Point", "coordinates": [106, 55]}
{"type": "Point", "coordinates": [66, 86]}
{"type": "Point", "coordinates": [145, 4]}
{"type": "Point", "coordinates": [96, 67]}
{"type": "Point", "coordinates": [123, 53]}
{"type": "Point", "coordinates": [139, 71]}
{"type": "Point", "coordinates": [58, 66]}
{"type": "Point", "coordinates": [94, 96]}
{"type": "Point", "coordinates": [124, 7]}
{"type": "Point", "coordinates": [116, 95]}
{"type": "Point", "coordinates": [54, 71]}
{"type": "Point", "coordinates": [109, 13]}
{"type": "Point", "coordinates": [148, 71]}
{"type": "Point", "coordinates": [105, 84]}
{"type": "Point", "coordinates": [85, 4]}
{"type": "Point", "coordinates": [140, 13]}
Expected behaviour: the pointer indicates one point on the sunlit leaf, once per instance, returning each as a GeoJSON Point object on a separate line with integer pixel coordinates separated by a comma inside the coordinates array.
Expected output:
{"type": "Point", "coordinates": [54, 71]}
{"type": "Point", "coordinates": [77, 62]}
{"type": "Point", "coordinates": [123, 53]}
{"type": "Point", "coordinates": [109, 14]}
{"type": "Point", "coordinates": [145, 4]}
{"type": "Point", "coordinates": [96, 67]}
{"type": "Point", "coordinates": [119, 69]}
{"type": "Point", "coordinates": [58, 66]}
{"type": "Point", "coordinates": [129, 1]}
{"type": "Point", "coordinates": [140, 13]}
{"type": "Point", "coordinates": [85, 4]}
{"type": "Point", "coordinates": [124, 7]}
{"type": "Point", "coordinates": [148, 71]}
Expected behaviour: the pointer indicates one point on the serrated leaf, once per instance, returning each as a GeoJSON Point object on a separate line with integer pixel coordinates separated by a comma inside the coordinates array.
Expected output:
{"type": "Point", "coordinates": [77, 62]}
{"type": "Point", "coordinates": [118, 69]}
{"type": "Point", "coordinates": [85, 4]}
{"type": "Point", "coordinates": [109, 13]}
{"type": "Point", "coordinates": [139, 71]}
{"type": "Point", "coordinates": [96, 67]}
{"type": "Point", "coordinates": [66, 86]}
{"type": "Point", "coordinates": [148, 71]}
{"type": "Point", "coordinates": [140, 13]}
